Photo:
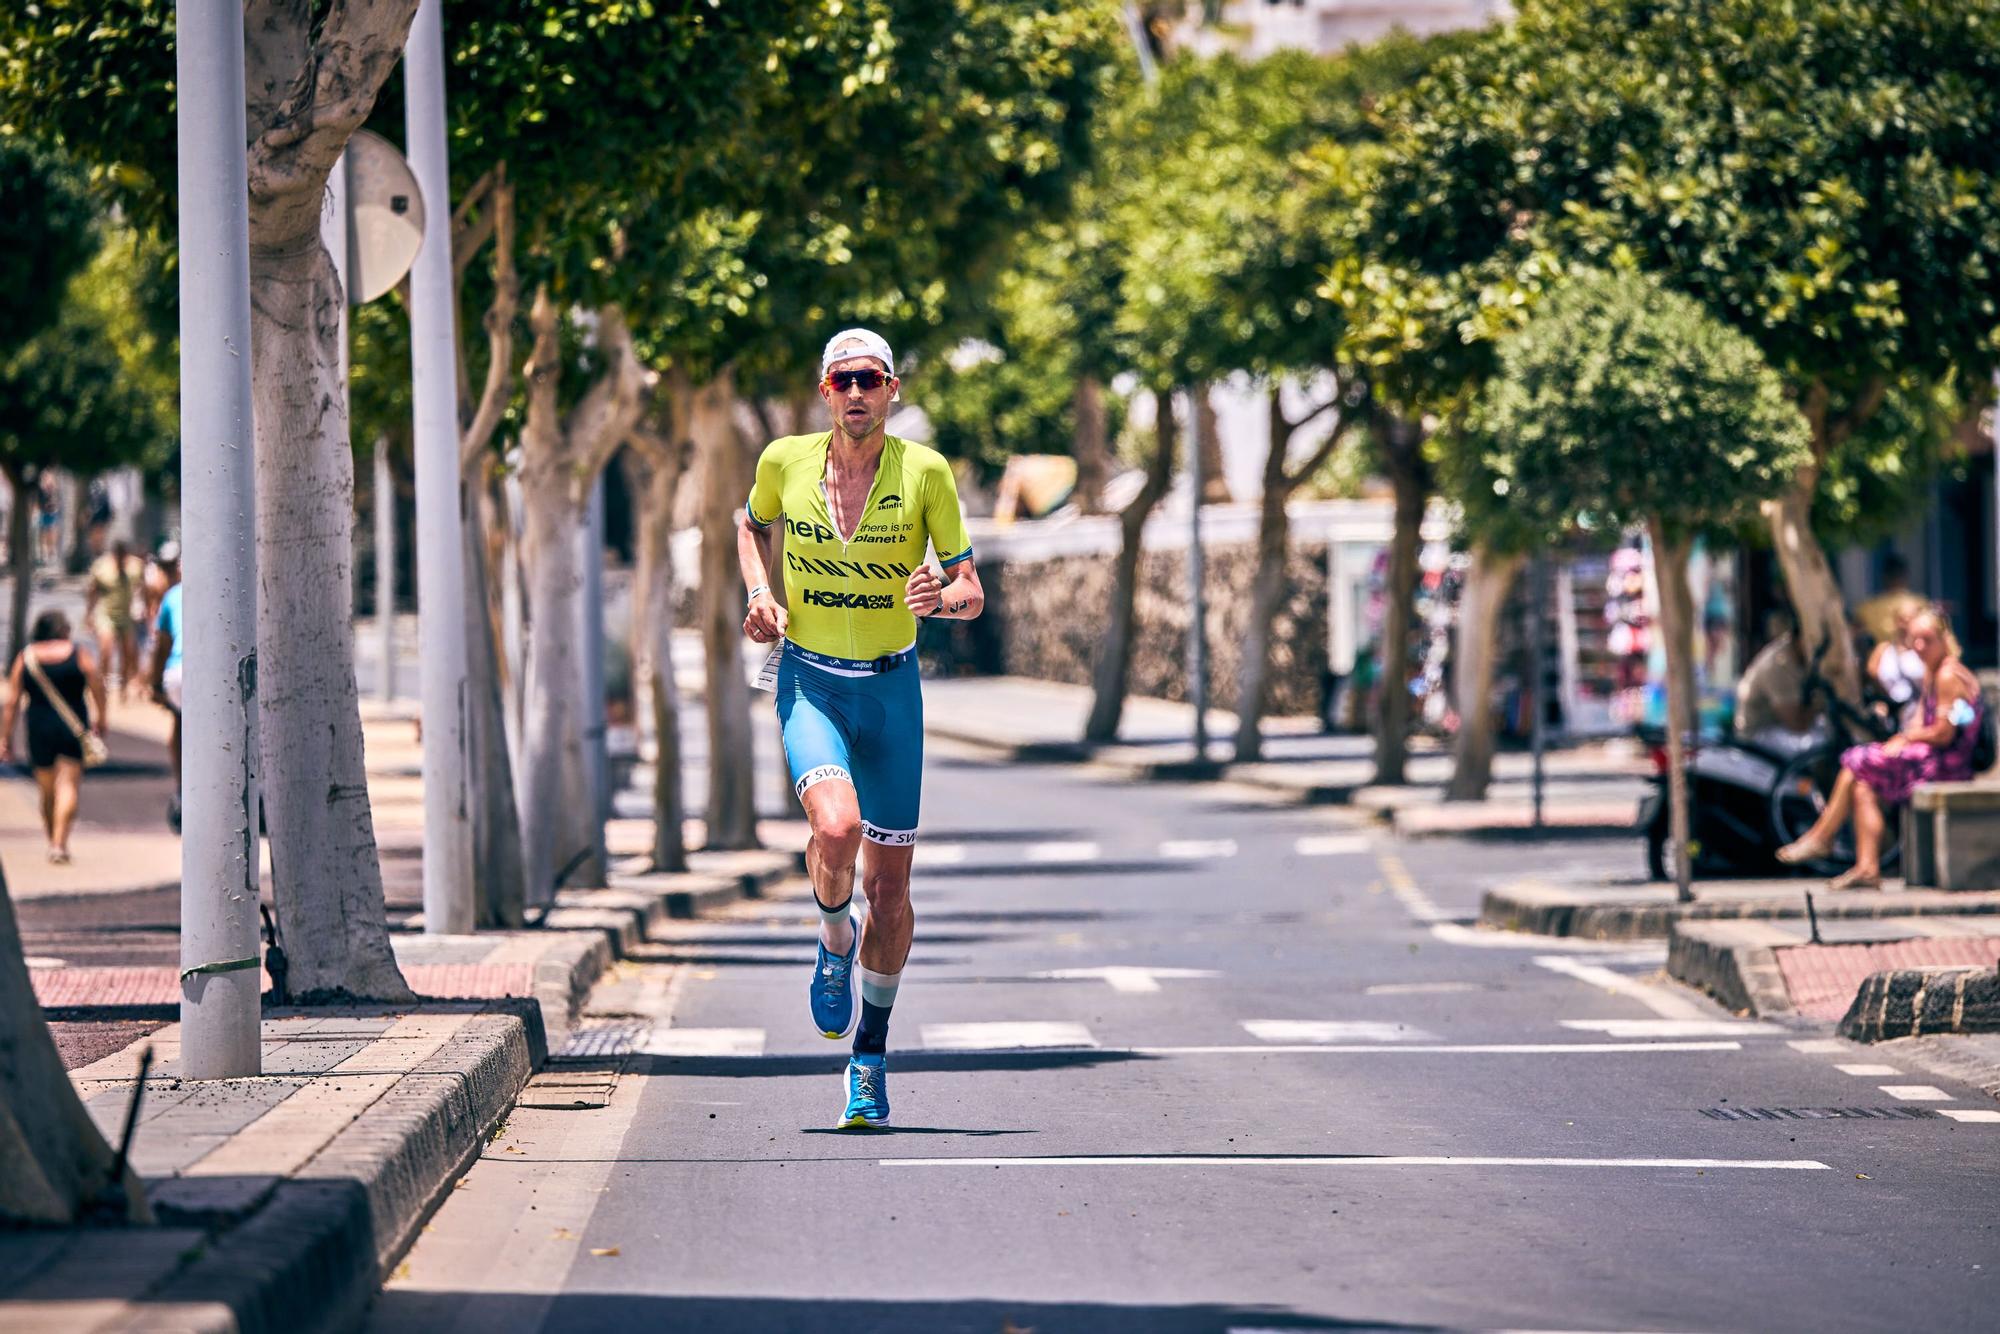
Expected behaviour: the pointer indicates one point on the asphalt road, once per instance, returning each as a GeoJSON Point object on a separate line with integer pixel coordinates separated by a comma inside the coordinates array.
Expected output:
{"type": "Point", "coordinates": [1303, 1096]}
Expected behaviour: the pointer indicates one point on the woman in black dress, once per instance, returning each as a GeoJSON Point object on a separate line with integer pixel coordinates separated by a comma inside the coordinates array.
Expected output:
{"type": "Point", "coordinates": [54, 749]}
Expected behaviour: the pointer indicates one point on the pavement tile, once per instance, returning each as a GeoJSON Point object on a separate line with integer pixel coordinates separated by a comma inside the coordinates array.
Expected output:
{"type": "Point", "coordinates": [1822, 979]}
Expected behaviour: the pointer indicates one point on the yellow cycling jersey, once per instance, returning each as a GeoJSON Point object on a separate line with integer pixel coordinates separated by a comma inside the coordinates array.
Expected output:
{"type": "Point", "coordinates": [845, 598]}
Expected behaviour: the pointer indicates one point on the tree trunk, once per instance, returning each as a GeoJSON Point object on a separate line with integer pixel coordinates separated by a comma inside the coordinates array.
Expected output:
{"type": "Point", "coordinates": [1809, 581]}
{"type": "Point", "coordinates": [1403, 460]}
{"type": "Point", "coordinates": [20, 560]}
{"type": "Point", "coordinates": [499, 886]}
{"type": "Point", "coordinates": [1267, 591]}
{"type": "Point", "coordinates": [53, 1162]}
{"type": "Point", "coordinates": [653, 600]}
{"type": "Point", "coordinates": [1090, 444]}
{"type": "Point", "coordinates": [732, 794]}
{"type": "Point", "coordinates": [1112, 673]}
{"type": "Point", "coordinates": [558, 841]}
{"type": "Point", "coordinates": [1479, 607]}
{"type": "Point", "coordinates": [1670, 564]}
{"type": "Point", "coordinates": [1214, 477]}
{"type": "Point", "coordinates": [324, 873]}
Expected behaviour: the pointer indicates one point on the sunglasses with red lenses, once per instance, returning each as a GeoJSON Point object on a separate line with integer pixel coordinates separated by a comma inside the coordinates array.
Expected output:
{"type": "Point", "coordinates": [868, 380]}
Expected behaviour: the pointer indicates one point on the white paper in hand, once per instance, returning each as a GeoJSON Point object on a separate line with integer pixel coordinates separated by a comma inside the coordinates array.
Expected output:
{"type": "Point", "coordinates": [767, 675]}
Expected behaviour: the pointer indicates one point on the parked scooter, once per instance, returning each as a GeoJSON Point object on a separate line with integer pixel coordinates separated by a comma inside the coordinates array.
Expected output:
{"type": "Point", "coordinates": [1745, 801]}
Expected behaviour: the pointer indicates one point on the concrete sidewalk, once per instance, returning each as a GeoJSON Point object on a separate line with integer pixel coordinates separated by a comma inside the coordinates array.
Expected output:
{"type": "Point", "coordinates": [1595, 788]}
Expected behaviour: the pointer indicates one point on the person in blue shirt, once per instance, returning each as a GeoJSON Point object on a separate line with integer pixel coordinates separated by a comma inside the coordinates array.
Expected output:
{"type": "Point", "coordinates": [166, 674]}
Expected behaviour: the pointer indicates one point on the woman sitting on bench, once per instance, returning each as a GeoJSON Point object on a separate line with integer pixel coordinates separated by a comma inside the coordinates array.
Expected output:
{"type": "Point", "coordinates": [1936, 746]}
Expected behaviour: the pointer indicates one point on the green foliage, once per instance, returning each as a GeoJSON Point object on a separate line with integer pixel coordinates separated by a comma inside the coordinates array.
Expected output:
{"type": "Point", "coordinates": [1619, 403]}
{"type": "Point", "coordinates": [46, 235]}
{"type": "Point", "coordinates": [66, 401]}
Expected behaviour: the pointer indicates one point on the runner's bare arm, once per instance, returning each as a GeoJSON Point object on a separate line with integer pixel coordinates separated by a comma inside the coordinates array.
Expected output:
{"type": "Point", "coordinates": [962, 599]}
{"type": "Point", "coordinates": [765, 620]}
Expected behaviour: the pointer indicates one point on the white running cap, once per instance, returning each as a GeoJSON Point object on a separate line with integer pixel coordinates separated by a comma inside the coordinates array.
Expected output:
{"type": "Point", "coordinates": [857, 343]}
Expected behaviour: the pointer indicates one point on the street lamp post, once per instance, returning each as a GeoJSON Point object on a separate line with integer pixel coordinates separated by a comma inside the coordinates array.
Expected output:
{"type": "Point", "coordinates": [220, 982]}
{"type": "Point", "coordinates": [448, 901]}
{"type": "Point", "coordinates": [1197, 648]}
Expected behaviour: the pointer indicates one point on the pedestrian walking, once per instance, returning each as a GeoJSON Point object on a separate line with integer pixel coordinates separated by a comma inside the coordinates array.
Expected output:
{"type": "Point", "coordinates": [165, 676]}
{"type": "Point", "coordinates": [861, 508]}
{"type": "Point", "coordinates": [115, 580]}
{"type": "Point", "coordinates": [60, 683]}
{"type": "Point", "coordinates": [1876, 778]}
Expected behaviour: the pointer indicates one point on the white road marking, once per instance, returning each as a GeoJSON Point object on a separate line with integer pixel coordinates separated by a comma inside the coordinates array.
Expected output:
{"type": "Point", "coordinates": [1813, 1046]}
{"type": "Point", "coordinates": [1197, 849]}
{"type": "Point", "coordinates": [1404, 887]}
{"type": "Point", "coordinates": [1171, 1160]}
{"type": "Point", "coordinates": [1128, 979]}
{"type": "Point", "coordinates": [1419, 988]}
{"type": "Point", "coordinates": [1331, 845]}
{"type": "Point", "coordinates": [44, 961]}
{"type": "Point", "coordinates": [1060, 852]}
{"type": "Point", "coordinates": [1916, 1092]}
{"type": "Point", "coordinates": [1661, 1002]}
{"type": "Point", "coordinates": [1005, 1036]}
{"type": "Point", "coordinates": [1447, 1049]}
{"type": "Point", "coordinates": [703, 1042]}
{"type": "Point", "coordinates": [1671, 1028]}
{"type": "Point", "coordinates": [1333, 1030]}
{"type": "Point", "coordinates": [1970, 1114]}
{"type": "Point", "coordinates": [941, 854]}
{"type": "Point", "coordinates": [1867, 1070]}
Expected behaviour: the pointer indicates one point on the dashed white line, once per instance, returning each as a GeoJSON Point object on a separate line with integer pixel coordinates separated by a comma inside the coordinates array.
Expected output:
{"type": "Point", "coordinates": [1334, 1030]}
{"type": "Point", "coordinates": [1172, 1160]}
{"type": "Point", "coordinates": [1868, 1070]}
{"type": "Point", "coordinates": [1124, 978]}
{"type": "Point", "coordinates": [1671, 1028]}
{"type": "Point", "coordinates": [1916, 1092]}
{"type": "Point", "coordinates": [1005, 1036]}
{"type": "Point", "coordinates": [1060, 852]}
{"type": "Point", "coordinates": [1197, 849]}
{"type": "Point", "coordinates": [941, 854]}
{"type": "Point", "coordinates": [1419, 988]}
{"type": "Point", "coordinates": [1331, 845]}
{"type": "Point", "coordinates": [1970, 1114]}
{"type": "Point", "coordinates": [1813, 1046]}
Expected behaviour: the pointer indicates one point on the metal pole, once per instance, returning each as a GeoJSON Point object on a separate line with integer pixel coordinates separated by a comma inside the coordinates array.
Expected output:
{"type": "Point", "coordinates": [596, 760]}
{"type": "Point", "coordinates": [1538, 672]}
{"type": "Point", "coordinates": [220, 984]}
{"type": "Point", "coordinates": [448, 905]}
{"type": "Point", "coordinates": [1197, 604]}
{"type": "Point", "coordinates": [385, 567]}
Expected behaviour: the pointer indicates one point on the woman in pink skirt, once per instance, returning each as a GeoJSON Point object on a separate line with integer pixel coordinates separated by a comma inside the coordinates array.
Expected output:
{"type": "Point", "coordinates": [1935, 747]}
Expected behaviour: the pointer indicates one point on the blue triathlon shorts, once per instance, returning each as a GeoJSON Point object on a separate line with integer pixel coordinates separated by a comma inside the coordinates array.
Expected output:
{"type": "Point", "coordinates": [865, 729]}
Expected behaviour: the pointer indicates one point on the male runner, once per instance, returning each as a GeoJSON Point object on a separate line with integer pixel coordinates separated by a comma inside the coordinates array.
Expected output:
{"type": "Point", "coordinates": [860, 506]}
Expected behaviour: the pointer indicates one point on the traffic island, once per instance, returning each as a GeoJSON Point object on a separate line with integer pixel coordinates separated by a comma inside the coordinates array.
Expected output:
{"type": "Point", "coordinates": [1612, 912]}
{"type": "Point", "coordinates": [1912, 1002]}
{"type": "Point", "coordinates": [1776, 969]}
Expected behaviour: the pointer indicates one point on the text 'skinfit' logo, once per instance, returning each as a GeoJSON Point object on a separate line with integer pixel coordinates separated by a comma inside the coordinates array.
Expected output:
{"type": "Point", "coordinates": [889, 502]}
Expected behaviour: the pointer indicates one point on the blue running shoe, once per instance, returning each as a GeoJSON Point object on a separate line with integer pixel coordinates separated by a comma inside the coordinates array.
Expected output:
{"type": "Point", "coordinates": [832, 991]}
{"type": "Point", "coordinates": [867, 1092]}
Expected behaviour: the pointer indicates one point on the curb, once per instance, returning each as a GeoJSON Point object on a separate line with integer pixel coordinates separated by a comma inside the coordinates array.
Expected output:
{"type": "Point", "coordinates": [1735, 962]}
{"type": "Point", "coordinates": [1551, 915]}
{"type": "Point", "coordinates": [1910, 1002]}
{"type": "Point", "coordinates": [312, 1254]}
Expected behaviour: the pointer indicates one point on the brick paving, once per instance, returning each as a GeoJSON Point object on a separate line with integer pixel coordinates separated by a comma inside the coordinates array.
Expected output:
{"type": "Point", "coordinates": [1822, 979]}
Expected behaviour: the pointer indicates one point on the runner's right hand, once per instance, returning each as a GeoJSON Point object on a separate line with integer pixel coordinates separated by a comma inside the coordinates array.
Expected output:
{"type": "Point", "coordinates": [765, 622]}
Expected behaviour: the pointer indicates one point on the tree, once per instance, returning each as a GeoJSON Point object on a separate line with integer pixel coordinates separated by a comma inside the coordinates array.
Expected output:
{"type": "Point", "coordinates": [103, 91]}
{"type": "Point", "coordinates": [1627, 404]}
{"type": "Point", "coordinates": [1818, 174]}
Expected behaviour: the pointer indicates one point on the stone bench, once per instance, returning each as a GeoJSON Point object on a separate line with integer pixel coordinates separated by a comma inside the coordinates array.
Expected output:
{"type": "Point", "coordinates": [1951, 836]}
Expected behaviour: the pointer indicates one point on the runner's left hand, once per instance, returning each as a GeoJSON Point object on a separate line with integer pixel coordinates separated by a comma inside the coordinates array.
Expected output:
{"type": "Point", "coordinates": [925, 591]}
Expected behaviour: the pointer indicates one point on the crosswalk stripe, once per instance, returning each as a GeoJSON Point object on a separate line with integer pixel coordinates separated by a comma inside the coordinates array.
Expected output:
{"type": "Point", "coordinates": [1915, 1092]}
{"type": "Point", "coordinates": [1334, 1030]}
{"type": "Point", "coordinates": [1970, 1114]}
{"type": "Point", "coordinates": [1005, 1036]}
{"type": "Point", "coordinates": [1877, 1071]}
{"type": "Point", "coordinates": [702, 1042]}
{"type": "Point", "coordinates": [1197, 849]}
{"type": "Point", "coordinates": [1060, 852]}
{"type": "Point", "coordinates": [1331, 845]}
{"type": "Point", "coordinates": [1671, 1028]}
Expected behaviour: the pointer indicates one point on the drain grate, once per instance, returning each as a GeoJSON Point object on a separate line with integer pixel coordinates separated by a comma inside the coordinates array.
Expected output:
{"type": "Point", "coordinates": [1819, 1114]}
